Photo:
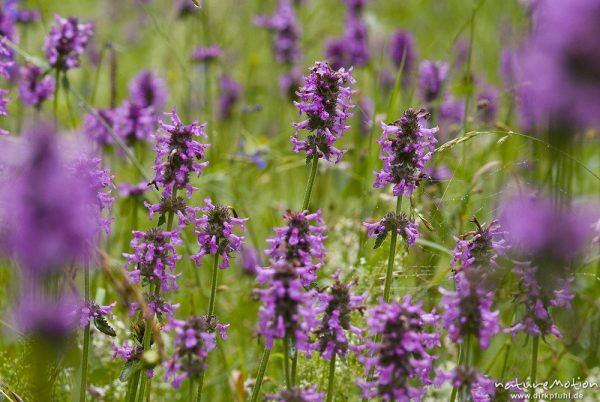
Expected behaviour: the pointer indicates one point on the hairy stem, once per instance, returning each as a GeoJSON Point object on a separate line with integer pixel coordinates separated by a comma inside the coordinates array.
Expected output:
{"type": "Point", "coordinates": [331, 378]}
{"type": "Point", "coordinates": [286, 361]}
{"type": "Point", "coordinates": [387, 287]}
{"type": "Point", "coordinates": [309, 184]}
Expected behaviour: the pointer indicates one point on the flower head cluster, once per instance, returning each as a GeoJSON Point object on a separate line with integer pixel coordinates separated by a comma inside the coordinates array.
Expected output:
{"type": "Point", "coordinates": [406, 146]}
{"type": "Point", "coordinates": [480, 387]}
{"type": "Point", "coordinates": [326, 102]}
{"type": "Point", "coordinates": [352, 49]}
{"type": "Point", "coordinates": [34, 86]}
{"type": "Point", "coordinates": [96, 127]}
{"type": "Point", "coordinates": [178, 154]}
{"type": "Point", "coordinates": [214, 229]}
{"type": "Point", "coordinates": [154, 258]}
{"type": "Point", "coordinates": [66, 41]}
{"type": "Point", "coordinates": [297, 395]}
{"type": "Point", "coordinates": [337, 306]}
{"type": "Point", "coordinates": [287, 309]}
{"type": "Point", "coordinates": [147, 89]}
{"type": "Point", "coordinates": [401, 357]}
{"type": "Point", "coordinates": [300, 243]}
{"type": "Point", "coordinates": [391, 222]}
{"type": "Point", "coordinates": [194, 338]}
{"type": "Point", "coordinates": [284, 24]}
{"type": "Point", "coordinates": [431, 79]}
{"type": "Point", "coordinates": [134, 122]}
{"type": "Point", "coordinates": [402, 51]}
{"type": "Point", "coordinates": [480, 247]}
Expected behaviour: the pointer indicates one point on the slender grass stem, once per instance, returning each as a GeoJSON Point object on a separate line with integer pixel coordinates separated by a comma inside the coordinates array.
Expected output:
{"type": "Point", "coordinates": [309, 184]}
{"type": "Point", "coordinates": [261, 373]}
{"type": "Point", "coordinates": [331, 379]}
{"type": "Point", "coordinates": [86, 337]}
{"type": "Point", "coordinates": [286, 361]}
{"type": "Point", "coordinates": [387, 286]}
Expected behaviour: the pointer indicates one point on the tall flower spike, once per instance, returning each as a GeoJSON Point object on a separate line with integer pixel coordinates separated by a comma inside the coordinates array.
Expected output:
{"type": "Point", "coordinates": [400, 358]}
{"type": "Point", "coordinates": [66, 41]}
{"type": "Point", "coordinates": [284, 25]}
{"type": "Point", "coordinates": [300, 243]}
{"type": "Point", "coordinates": [133, 122]}
{"type": "Point", "coordinates": [297, 394]}
{"type": "Point", "coordinates": [402, 51]}
{"type": "Point", "coordinates": [406, 146]}
{"type": "Point", "coordinates": [194, 338]}
{"type": "Point", "coordinates": [154, 258]}
{"type": "Point", "coordinates": [287, 309]}
{"type": "Point", "coordinates": [214, 229]}
{"type": "Point", "coordinates": [148, 89]}
{"type": "Point", "coordinates": [352, 49]}
{"type": "Point", "coordinates": [34, 87]}
{"type": "Point", "coordinates": [431, 79]}
{"type": "Point", "coordinates": [400, 223]}
{"type": "Point", "coordinates": [96, 127]}
{"type": "Point", "coordinates": [178, 154]}
{"type": "Point", "coordinates": [326, 102]}
{"type": "Point", "coordinates": [337, 305]}
{"type": "Point", "coordinates": [479, 386]}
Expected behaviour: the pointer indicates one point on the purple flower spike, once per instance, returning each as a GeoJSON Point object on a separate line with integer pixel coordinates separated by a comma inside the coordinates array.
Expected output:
{"type": "Point", "coordinates": [401, 353]}
{"type": "Point", "coordinates": [401, 224]}
{"type": "Point", "coordinates": [154, 258]}
{"type": "Point", "coordinates": [326, 102]}
{"type": "Point", "coordinates": [214, 229]}
{"type": "Point", "coordinates": [297, 395]}
{"type": "Point", "coordinates": [300, 243]}
{"type": "Point", "coordinates": [148, 90]}
{"type": "Point", "coordinates": [194, 339]}
{"type": "Point", "coordinates": [178, 154]}
{"type": "Point", "coordinates": [406, 146]}
{"type": "Point", "coordinates": [95, 127]}
{"type": "Point", "coordinates": [66, 42]}
{"type": "Point", "coordinates": [230, 93]}
{"type": "Point", "coordinates": [402, 50]}
{"type": "Point", "coordinates": [478, 385]}
{"type": "Point", "coordinates": [431, 79]}
{"type": "Point", "coordinates": [352, 49]}
{"type": "Point", "coordinates": [206, 54]}
{"type": "Point", "coordinates": [284, 25]}
{"type": "Point", "coordinates": [487, 105]}
{"type": "Point", "coordinates": [337, 306]}
{"type": "Point", "coordinates": [34, 88]}
{"type": "Point", "coordinates": [481, 247]}
{"type": "Point", "coordinates": [287, 309]}
{"type": "Point", "coordinates": [133, 122]}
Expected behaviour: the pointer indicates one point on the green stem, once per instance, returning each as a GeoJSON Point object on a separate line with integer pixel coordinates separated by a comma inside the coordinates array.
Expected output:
{"type": "Point", "coordinates": [309, 184]}
{"type": "Point", "coordinates": [86, 337]}
{"type": "Point", "coordinates": [294, 367]}
{"type": "Point", "coordinates": [200, 386]}
{"type": "Point", "coordinates": [147, 340]}
{"type": "Point", "coordinates": [387, 287]}
{"type": "Point", "coordinates": [213, 286]}
{"type": "Point", "coordinates": [331, 378]}
{"type": "Point", "coordinates": [172, 213]}
{"type": "Point", "coordinates": [286, 361]}
{"type": "Point", "coordinates": [261, 373]}
{"type": "Point", "coordinates": [132, 391]}
{"type": "Point", "coordinates": [534, 356]}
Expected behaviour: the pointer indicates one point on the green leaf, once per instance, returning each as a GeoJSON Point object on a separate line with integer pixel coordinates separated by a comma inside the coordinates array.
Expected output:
{"type": "Point", "coordinates": [103, 326]}
{"type": "Point", "coordinates": [129, 369]}
{"type": "Point", "coordinates": [379, 239]}
{"type": "Point", "coordinates": [161, 220]}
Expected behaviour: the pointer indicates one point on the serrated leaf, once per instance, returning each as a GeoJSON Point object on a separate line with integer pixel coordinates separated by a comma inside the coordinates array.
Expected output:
{"type": "Point", "coordinates": [379, 239]}
{"type": "Point", "coordinates": [129, 369]}
{"type": "Point", "coordinates": [161, 220]}
{"type": "Point", "coordinates": [103, 326]}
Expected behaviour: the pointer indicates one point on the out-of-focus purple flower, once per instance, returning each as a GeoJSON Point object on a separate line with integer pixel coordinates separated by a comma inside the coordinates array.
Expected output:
{"type": "Point", "coordinates": [480, 387]}
{"type": "Point", "coordinates": [186, 7]}
{"type": "Point", "coordinates": [100, 184]}
{"type": "Point", "coordinates": [96, 127]}
{"type": "Point", "coordinates": [431, 79]}
{"type": "Point", "coordinates": [561, 57]}
{"type": "Point", "coordinates": [178, 154]}
{"type": "Point", "coordinates": [47, 318]}
{"type": "Point", "coordinates": [366, 108]}
{"type": "Point", "coordinates": [214, 229]}
{"type": "Point", "coordinates": [352, 49]}
{"type": "Point", "coordinates": [147, 89]}
{"type": "Point", "coordinates": [66, 41]}
{"type": "Point", "coordinates": [297, 394]}
{"type": "Point", "coordinates": [34, 87]}
{"type": "Point", "coordinates": [287, 309]}
{"type": "Point", "coordinates": [4, 104]}
{"type": "Point", "coordinates": [154, 258]}
{"type": "Point", "coordinates": [91, 310]}
{"type": "Point", "coordinates": [402, 52]}
{"type": "Point", "coordinates": [250, 260]}
{"type": "Point", "coordinates": [461, 51]}
{"type": "Point", "coordinates": [438, 173]}
{"type": "Point", "coordinates": [391, 222]}
{"type": "Point", "coordinates": [337, 305]}
{"type": "Point", "coordinates": [300, 243]}
{"type": "Point", "coordinates": [194, 338]}
{"type": "Point", "coordinates": [133, 122]}
{"type": "Point", "coordinates": [406, 145]}
{"type": "Point", "coordinates": [399, 351]}
{"type": "Point", "coordinates": [450, 116]}
{"type": "Point", "coordinates": [133, 190]}
{"type": "Point", "coordinates": [206, 54]}
{"type": "Point", "coordinates": [289, 81]}
{"type": "Point", "coordinates": [284, 25]}
{"type": "Point", "coordinates": [46, 219]}
{"type": "Point", "coordinates": [468, 310]}
{"type": "Point", "coordinates": [326, 102]}
{"type": "Point", "coordinates": [230, 93]}
{"type": "Point", "coordinates": [487, 105]}
{"type": "Point", "coordinates": [7, 25]}
{"type": "Point", "coordinates": [356, 6]}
